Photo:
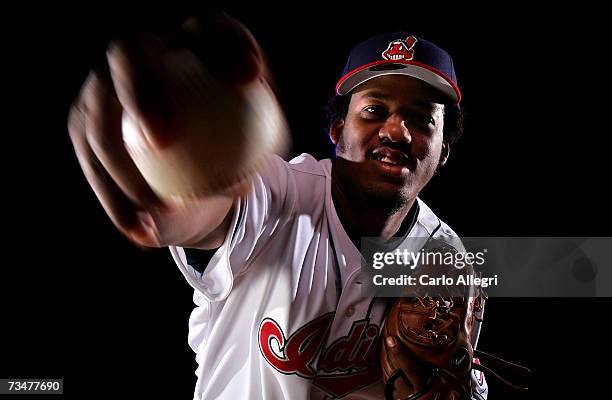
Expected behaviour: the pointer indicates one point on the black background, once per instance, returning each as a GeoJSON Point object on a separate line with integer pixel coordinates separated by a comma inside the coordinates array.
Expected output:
{"type": "Point", "coordinates": [79, 302]}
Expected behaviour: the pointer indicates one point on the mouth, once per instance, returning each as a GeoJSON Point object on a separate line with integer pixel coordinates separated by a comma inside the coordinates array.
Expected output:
{"type": "Point", "coordinates": [392, 163]}
{"type": "Point", "coordinates": [391, 157]}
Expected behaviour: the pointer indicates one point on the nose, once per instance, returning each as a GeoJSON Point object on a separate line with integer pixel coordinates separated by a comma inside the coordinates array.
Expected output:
{"type": "Point", "coordinates": [395, 129]}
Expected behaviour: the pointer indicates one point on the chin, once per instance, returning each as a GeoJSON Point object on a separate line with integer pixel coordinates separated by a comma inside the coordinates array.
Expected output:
{"type": "Point", "coordinates": [389, 197]}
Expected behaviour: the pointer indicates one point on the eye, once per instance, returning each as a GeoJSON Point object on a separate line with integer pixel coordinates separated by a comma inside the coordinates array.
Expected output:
{"type": "Point", "coordinates": [424, 120]}
{"type": "Point", "coordinates": [374, 112]}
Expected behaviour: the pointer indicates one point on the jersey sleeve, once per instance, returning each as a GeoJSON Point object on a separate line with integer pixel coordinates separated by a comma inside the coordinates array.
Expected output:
{"type": "Point", "coordinates": [260, 213]}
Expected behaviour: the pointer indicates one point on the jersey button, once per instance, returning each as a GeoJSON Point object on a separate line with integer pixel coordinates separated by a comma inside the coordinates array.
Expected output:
{"type": "Point", "coordinates": [350, 311]}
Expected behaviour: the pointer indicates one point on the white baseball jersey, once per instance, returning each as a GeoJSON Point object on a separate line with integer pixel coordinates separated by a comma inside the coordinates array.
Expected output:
{"type": "Point", "coordinates": [280, 313]}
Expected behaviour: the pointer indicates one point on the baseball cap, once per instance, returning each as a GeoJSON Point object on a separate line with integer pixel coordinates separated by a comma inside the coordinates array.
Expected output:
{"type": "Point", "coordinates": [400, 53]}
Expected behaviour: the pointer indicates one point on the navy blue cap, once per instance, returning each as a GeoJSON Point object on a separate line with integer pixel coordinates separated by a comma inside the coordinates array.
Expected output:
{"type": "Point", "coordinates": [400, 53]}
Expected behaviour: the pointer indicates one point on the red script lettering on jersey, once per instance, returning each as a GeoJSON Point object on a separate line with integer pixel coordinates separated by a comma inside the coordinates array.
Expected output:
{"type": "Point", "coordinates": [350, 363]}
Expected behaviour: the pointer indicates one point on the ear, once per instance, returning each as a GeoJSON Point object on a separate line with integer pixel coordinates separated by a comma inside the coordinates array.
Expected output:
{"type": "Point", "coordinates": [444, 154]}
{"type": "Point", "coordinates": [335, 130]}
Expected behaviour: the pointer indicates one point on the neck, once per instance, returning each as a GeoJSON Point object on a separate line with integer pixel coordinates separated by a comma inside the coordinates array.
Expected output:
{"type": "Point", "coordinates": [360, 217]}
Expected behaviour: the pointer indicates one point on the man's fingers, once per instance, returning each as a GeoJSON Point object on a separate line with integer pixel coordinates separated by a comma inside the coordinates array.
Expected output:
{"type": "Point", "coordinates": [103, 133]}
{"type": "Point", "coordinates": [140, 78]}
{"type": "Point", "coordinates": [129, 219]}
{"type": "Point", "coordinates": [160, 82]}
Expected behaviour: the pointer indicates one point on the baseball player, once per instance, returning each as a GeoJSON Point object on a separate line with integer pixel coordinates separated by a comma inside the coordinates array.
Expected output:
{"type": "Point", "coordinates": [275, 267]}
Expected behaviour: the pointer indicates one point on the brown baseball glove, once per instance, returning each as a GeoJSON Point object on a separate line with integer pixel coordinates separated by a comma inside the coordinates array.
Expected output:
{"type": "Point", "coordinates": [427, 352]}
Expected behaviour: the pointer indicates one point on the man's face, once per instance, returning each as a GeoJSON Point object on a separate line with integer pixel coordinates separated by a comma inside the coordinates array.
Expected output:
{"type": "Point", "coordinates": [390, 143]}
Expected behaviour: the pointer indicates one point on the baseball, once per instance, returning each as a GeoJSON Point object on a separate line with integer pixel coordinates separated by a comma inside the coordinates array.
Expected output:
{"type": "Point", "coordinates": [221, 144]}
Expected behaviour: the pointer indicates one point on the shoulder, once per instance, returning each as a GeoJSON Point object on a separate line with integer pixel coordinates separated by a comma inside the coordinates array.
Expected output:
{"type": "Point", "coordinates": [435, 227]}
{"type": "Point", "coordinates": [290, 187]}
{"type": "Point", "coordinates": [307, 164]}
{"type": "Point", "coordinates": [299, 167]}
{"type": "Point", "coordinates": [306, 176]}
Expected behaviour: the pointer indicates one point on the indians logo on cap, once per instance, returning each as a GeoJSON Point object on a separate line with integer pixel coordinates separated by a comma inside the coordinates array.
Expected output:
{"type": "Point", "coordinates": [400, 49]}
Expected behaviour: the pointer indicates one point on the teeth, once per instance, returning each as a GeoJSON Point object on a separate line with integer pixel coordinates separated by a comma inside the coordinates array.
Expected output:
{"type": "Point", "coordinates": [387, 160]}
